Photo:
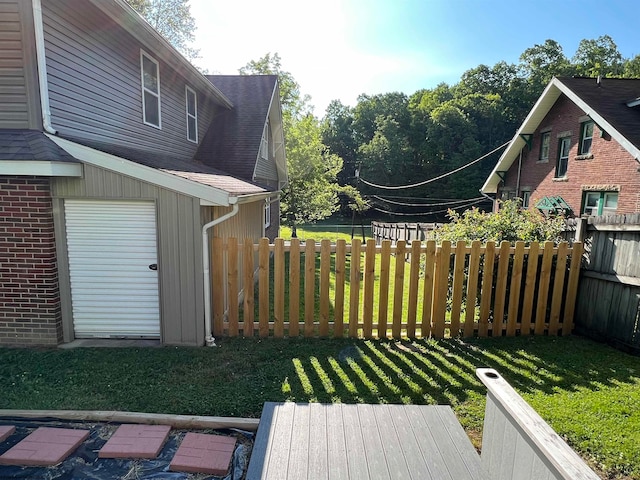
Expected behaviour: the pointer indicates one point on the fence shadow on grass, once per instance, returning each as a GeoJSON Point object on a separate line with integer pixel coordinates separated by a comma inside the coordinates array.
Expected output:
{"type": "Point", "coordinates": [443, 371]}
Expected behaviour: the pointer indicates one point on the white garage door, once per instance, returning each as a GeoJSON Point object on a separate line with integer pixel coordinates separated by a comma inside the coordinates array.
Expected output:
{"type": "Point", "coordinates": [111, 246]}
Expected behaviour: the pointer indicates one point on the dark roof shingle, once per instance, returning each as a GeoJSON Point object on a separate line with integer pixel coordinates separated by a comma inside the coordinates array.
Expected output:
{"type": "Point", "coordinates": [30, 145]}
{"type": "Point", "coordinates": [192, 170]}
{"type": "Point", "coordinates": [609, 99]}
{"type": "Point", "coordinates": [233, 140]}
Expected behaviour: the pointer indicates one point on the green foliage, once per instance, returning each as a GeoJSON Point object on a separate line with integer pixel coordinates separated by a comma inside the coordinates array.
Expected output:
{"type": "Point", "coordinates": [588, 392]}
{"type": "Point", "coordinates": [173, 20]}
{"type": "Point", "coordinates": [312, 193]}
{"type": "Point", "coordinates": [510, 223]}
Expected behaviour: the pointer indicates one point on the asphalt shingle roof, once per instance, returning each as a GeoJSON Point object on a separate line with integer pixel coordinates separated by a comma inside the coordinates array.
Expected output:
{"type": "Point", "coordinates": [192, 170]}
{"type": "Point", "coordinates": [30, 145]}
{"type": "Point", "coordinates": [610, 99]}
{"type": "Point", "coordinates": [233, 140]}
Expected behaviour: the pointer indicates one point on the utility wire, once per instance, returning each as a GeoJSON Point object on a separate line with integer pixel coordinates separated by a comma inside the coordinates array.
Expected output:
{"type": "Point", "coordinates": [428, 213]}
{"type": "Point", "coordinates": [440, 177]}
{"type": "Point", "coordinates": [453, 202]}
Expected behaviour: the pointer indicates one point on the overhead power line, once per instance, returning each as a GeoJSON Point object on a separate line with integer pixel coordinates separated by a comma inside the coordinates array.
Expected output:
{"type": "Point", "coordinates": [429, 213]}
{"type": "Point", "coordinates": [404, 204]}
{"type": "Point", "coordinates": [439, 177]}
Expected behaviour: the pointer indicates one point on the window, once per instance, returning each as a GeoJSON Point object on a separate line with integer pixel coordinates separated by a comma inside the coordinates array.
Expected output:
{"type": "Point", "coordinates": [192, 115]}
{"type": "Point", "coordinates": [267, 213]}
{"type": "Point", "coordinates": [563, 157]}
{"type": "Point", "coordinates": [600, 203]}
{"type": "Point", "coordinates": [545, 141]}
{"type": "Point", "coordinates": [264, 144]}
{"type": "Point", "coordinates": [586, 138]}
{"type": "Point", "coordinates": [526, 196]}
{"type": "Point", "coordinates": [150, 73]}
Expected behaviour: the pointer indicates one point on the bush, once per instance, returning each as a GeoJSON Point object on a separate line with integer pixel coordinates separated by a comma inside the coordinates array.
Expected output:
{"type": "Point", "coordinates": [510, 223]}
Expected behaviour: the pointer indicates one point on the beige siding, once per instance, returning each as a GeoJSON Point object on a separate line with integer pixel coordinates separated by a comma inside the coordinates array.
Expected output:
{"type": "Point", "coordinates": [19, 100]}
{"type": "Point", "coordinates": [246, 224]}
{"type": "Point", "coordinates": [179, 247]}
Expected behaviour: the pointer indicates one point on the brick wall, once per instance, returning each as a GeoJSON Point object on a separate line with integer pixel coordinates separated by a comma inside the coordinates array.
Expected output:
{"type": "Point", "coordinates": [611, 165]}
{"type": "Point", "coordinates": [29, 296]}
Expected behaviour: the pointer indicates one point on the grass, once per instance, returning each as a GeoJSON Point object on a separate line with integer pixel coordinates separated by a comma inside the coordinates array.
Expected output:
{"type": "Point", "coordinates": [321, 232]}
{"type": "Point", "coordinates": [587, 391]}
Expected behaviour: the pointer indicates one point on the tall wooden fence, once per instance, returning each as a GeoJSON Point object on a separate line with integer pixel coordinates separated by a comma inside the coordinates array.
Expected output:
{"type": "Point", "coordinates": [369, 291]}
{"type": "Point", "coordinates": [609, 296]}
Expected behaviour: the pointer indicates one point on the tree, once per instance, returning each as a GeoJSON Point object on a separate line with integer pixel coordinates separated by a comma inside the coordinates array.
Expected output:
{"type": "Point", "coordinates": [598, 57]}
{"type": "Point", "coordinates": [295, 105]}
{"type": "Point", "coordinates": [312, 193]}
{"type": "Point", "coordinates": [541, 63]}
{"type": "Point", "coordinates": [173, 20]}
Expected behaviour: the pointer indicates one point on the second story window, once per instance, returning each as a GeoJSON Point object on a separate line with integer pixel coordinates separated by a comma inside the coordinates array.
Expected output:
{"type": "Point", "coordinates": [563, 157]}
{"type": "Point", "coordinates": [545, 141]}
{"type": "Point", "coordinates": [267, 213]}
{"type": "Point", "coordinates": [150, 72]}
{"type": "Point", "coordinates": [192, 115]}
{"type": "Point", "coordinates": [586, 138]}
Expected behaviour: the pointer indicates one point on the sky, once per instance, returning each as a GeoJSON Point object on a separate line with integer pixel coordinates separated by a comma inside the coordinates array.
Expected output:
{"type": "Point", "coordinates": [339, 49]}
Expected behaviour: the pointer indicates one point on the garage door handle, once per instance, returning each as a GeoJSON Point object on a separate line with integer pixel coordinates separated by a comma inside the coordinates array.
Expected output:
{"type": "Point", "coordinates": [153, 266]}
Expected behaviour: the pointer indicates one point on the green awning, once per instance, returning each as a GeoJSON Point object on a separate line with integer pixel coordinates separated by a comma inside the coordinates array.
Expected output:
{"type": "Point", "coordinates": [553, 204]}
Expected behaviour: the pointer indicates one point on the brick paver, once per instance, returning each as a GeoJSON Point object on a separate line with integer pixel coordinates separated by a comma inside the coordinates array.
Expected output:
{"type": "Point", "coordinates": [44, 447]}
{"type": "Point", "coordinates": [5, 431]}
{"type": "Point", "coordinates": [204, 453]}
{"type": "Point", "coordinates": [135, 441]}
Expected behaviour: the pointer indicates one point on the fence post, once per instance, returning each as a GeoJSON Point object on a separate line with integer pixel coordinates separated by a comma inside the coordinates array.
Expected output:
{"type": "Point", "coordinates": [581, 230]}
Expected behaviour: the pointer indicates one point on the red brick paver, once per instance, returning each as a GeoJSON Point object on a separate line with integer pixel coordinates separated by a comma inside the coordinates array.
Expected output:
{"type": "Point", "coordinates": [5, 431]}
{"type": "Point", "coordinates": [44, 447]}
{"type": "Point", "coordinates": [135, 441]}
{"type": "Point", "coordinates": [204, 453]}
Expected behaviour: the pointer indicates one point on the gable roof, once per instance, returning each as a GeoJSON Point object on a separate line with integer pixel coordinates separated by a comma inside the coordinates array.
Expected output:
{"type": "Point", "coordinates": [606, 102]}
{"type": "Point", "coordinates": [233, 140]}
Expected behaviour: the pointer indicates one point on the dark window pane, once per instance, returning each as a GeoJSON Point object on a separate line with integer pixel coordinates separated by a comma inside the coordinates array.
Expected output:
{"type": "Point", "coordinates": [152, 109]}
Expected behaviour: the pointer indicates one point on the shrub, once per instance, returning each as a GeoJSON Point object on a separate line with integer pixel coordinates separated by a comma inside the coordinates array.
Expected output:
{"type": "Point", "coordinates": [510, 223]}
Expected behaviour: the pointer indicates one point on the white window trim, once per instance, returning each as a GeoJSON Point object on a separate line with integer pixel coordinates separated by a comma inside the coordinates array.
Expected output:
{"type": "Point", "coordinates": [560, 157]}
{"type": "Point", "coordinates": [144, 89]}
{"type": "Point", "coordinates": [541, 158]}
{"type": "Point", "coordinates": [526, 198]}
{"type": "Point", "coordinates": [186, 108]}
{"type": "Point", "coordinates": [267, 213]}
{"type": "Point", "coordinates": [264, 142]}
{"type": "Point", "coordinates": [584, 137]}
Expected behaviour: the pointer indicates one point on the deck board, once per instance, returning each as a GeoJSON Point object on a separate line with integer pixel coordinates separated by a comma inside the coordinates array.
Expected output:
{"type": "Point", "coordinates": [386, 442]}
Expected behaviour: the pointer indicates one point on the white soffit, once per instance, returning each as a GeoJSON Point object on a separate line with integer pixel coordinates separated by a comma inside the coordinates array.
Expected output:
{"type": "Point", "coordinates": [146, 174]}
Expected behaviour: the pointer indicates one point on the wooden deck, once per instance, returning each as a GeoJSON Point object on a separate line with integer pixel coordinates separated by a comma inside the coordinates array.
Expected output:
{"type": "Point", "coordinates": [337, 441]}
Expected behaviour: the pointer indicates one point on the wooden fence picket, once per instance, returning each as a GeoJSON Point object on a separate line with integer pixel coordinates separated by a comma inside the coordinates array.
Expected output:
{"type": "Point", "coordinates": [438, 290]}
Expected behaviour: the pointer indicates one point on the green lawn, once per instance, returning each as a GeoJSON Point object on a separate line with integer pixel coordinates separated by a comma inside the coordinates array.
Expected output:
{"type": "Point", "coordinates": [588, 392]}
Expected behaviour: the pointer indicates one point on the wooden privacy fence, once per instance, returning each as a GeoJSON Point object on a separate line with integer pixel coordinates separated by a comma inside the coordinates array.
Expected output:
{"type": "Point", "coordinates": [369, 291]}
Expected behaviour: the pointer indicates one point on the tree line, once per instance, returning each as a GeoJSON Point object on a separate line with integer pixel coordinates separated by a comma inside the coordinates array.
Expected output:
{"type": "Point", "coordinates": [396, 139]}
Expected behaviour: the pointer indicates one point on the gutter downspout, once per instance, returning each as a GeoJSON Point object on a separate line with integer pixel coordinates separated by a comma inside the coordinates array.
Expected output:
{"type": "Point", "coordinates": [209, 340]}
{"type": "Point", "coordinates": [42, 68]}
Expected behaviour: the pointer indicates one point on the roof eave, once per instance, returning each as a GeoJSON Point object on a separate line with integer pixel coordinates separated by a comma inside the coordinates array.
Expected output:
{"type": "Point", "coordinates": [531, 122]}
{"type": "Point", "coordinates": [120, 11]}
{"type": "Point", "coordinates": [91, 156]}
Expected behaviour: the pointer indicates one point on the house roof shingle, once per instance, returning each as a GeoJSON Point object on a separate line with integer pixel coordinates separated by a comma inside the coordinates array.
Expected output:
{"type": "Point", "coordinates": [609, 98]}
{"type": "Point", "coordinates": [233, 140]}
{"type": "Point", "coordinates": [193, 170]}
{"type": "Point", "coordinates": [30, 145]}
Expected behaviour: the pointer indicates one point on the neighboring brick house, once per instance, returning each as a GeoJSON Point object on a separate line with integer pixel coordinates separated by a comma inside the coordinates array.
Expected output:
{"type": "Point", "coordinates": [578, 150]}
{"type": "Point", "coordinates": [119, 161]}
